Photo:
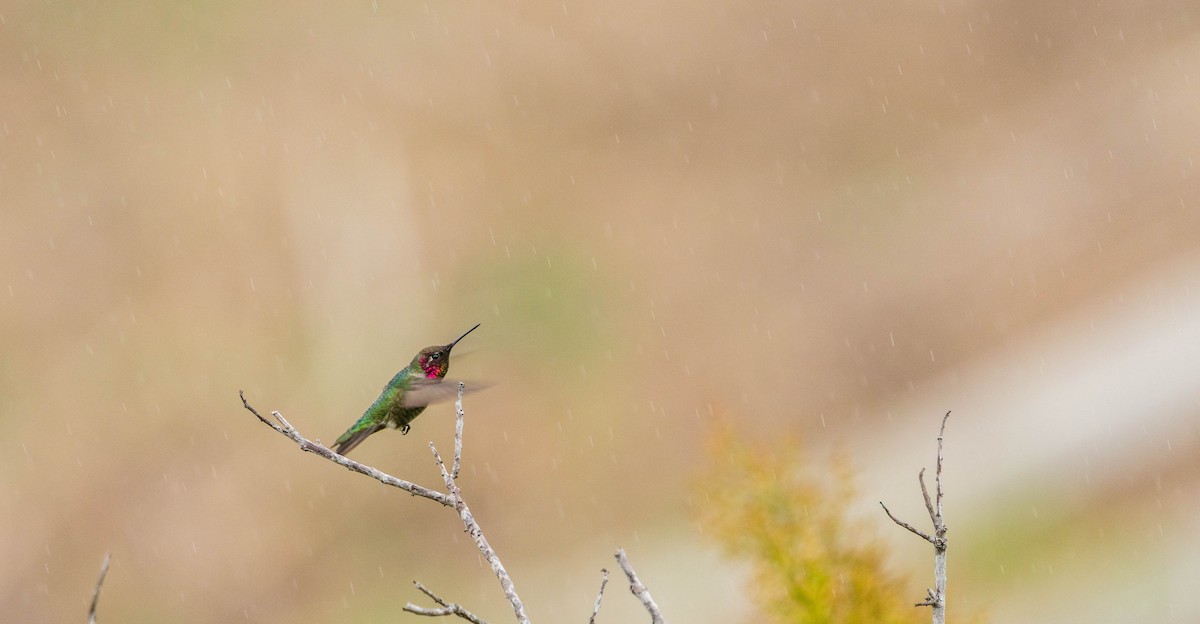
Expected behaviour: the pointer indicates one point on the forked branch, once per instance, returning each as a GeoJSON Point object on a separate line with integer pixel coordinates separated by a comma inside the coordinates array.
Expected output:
{"type": "Point", "coordinates": [453, 499]}
{"type": "Point", "coordinates": [936, 597]}
{"type": "Point", "coordinates": [445, 609]}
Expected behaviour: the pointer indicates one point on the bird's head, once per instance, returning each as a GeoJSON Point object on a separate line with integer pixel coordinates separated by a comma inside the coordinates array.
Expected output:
{"type": "Point", "coordinates": [435, 360]}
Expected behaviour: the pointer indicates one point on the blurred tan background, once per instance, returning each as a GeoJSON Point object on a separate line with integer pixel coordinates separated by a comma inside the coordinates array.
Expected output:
{"type": "Point", "coordinates": [831, 220]}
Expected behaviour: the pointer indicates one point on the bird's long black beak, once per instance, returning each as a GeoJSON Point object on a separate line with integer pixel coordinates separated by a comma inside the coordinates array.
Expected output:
{"type": "Point", "coordinates": [451, 345]}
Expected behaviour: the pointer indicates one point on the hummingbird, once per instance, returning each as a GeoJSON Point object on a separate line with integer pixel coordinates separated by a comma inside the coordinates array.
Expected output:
{"type": "Point", "coordinates": [405, 396]}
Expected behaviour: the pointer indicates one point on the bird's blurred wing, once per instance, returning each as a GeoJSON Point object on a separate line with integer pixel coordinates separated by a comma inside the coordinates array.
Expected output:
{"type": "Point", "coordinates": [425, 391]}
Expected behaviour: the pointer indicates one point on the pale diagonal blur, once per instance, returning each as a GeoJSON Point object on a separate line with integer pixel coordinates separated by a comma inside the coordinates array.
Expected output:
{"type": "Point", "coordinates": [835, 220]}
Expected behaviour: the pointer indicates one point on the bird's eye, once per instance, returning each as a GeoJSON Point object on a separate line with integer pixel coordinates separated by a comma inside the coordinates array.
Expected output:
{"type": "Point", "coordinates": [435, 356]}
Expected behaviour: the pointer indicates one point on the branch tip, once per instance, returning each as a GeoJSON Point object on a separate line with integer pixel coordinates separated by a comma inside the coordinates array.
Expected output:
{"type": "Point", "coordinates": [599, 596]}
{"type": "Point", "coordinates": [639, 590]}
{"type": "Point", "coordinates": [99, 584]}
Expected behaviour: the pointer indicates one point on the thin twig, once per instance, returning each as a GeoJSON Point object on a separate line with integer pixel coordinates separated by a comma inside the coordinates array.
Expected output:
{"type": "Point", "coordinates": [447, 608]}
{"type": "Point", "coordinates": [458, 429]}
{"type": "Point", "coordinates": [286, 429]}
{"type": "Point", "coordinates": [938, 472]}
{"type": "Point", "coordinates": [915, 530]}
{"type": "Point", "coordinates": [925, 495]}
{"type": "Point", "coordinates": [596, 609]}
{"type": "Point", "coordinates": [99, 584]}
{"type": "Point", "coordinates": [639, 590]}
{"type": "Point", "coordinates": [476, 533]}
{"type": "Point", "coordinates": [428, 592]}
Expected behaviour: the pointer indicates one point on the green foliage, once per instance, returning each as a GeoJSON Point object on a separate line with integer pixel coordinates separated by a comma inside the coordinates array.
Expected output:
{"type": "Point", "coordinates": [811, 561]}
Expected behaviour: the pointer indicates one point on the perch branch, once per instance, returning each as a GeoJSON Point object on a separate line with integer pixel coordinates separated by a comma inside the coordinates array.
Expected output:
{"type": "Point", "coordinates": [286, 429]}
{"type": "Point", "coordinates": [99, 584]}
{"type": "Point", "coordinates": [639, 590]}
{"type": "Point", "coordinates": [596, 609]}
{"type": "Point", "coordinates": [453, 499]}
{"type": "Point", "coordinates": [446, 608]}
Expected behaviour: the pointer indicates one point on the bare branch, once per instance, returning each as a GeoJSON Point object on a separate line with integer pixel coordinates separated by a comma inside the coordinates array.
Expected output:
{"type": "Point", "coordinates": [936, 597]}
{"type": "Point", "coordinates": [286, 429]}
{"type": "Point", "coordinates": [476, 533]}
{"type": "Point", "coordinates": [446, 608]}
{"type": "Point", "coordinates": [596, 609]}
{"type": "Point", "coordinates": [453, 499]}
{"type": "Point", "coordinates": [99, 584]}
{"type": "Point", "coordinates": [639, 590]}
{"type": "Point", "coordinates": [906, 525]}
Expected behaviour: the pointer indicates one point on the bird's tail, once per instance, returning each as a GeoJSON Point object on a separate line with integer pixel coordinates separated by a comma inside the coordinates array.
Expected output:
{"type": "Point", "coordinates": [353, 438]}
